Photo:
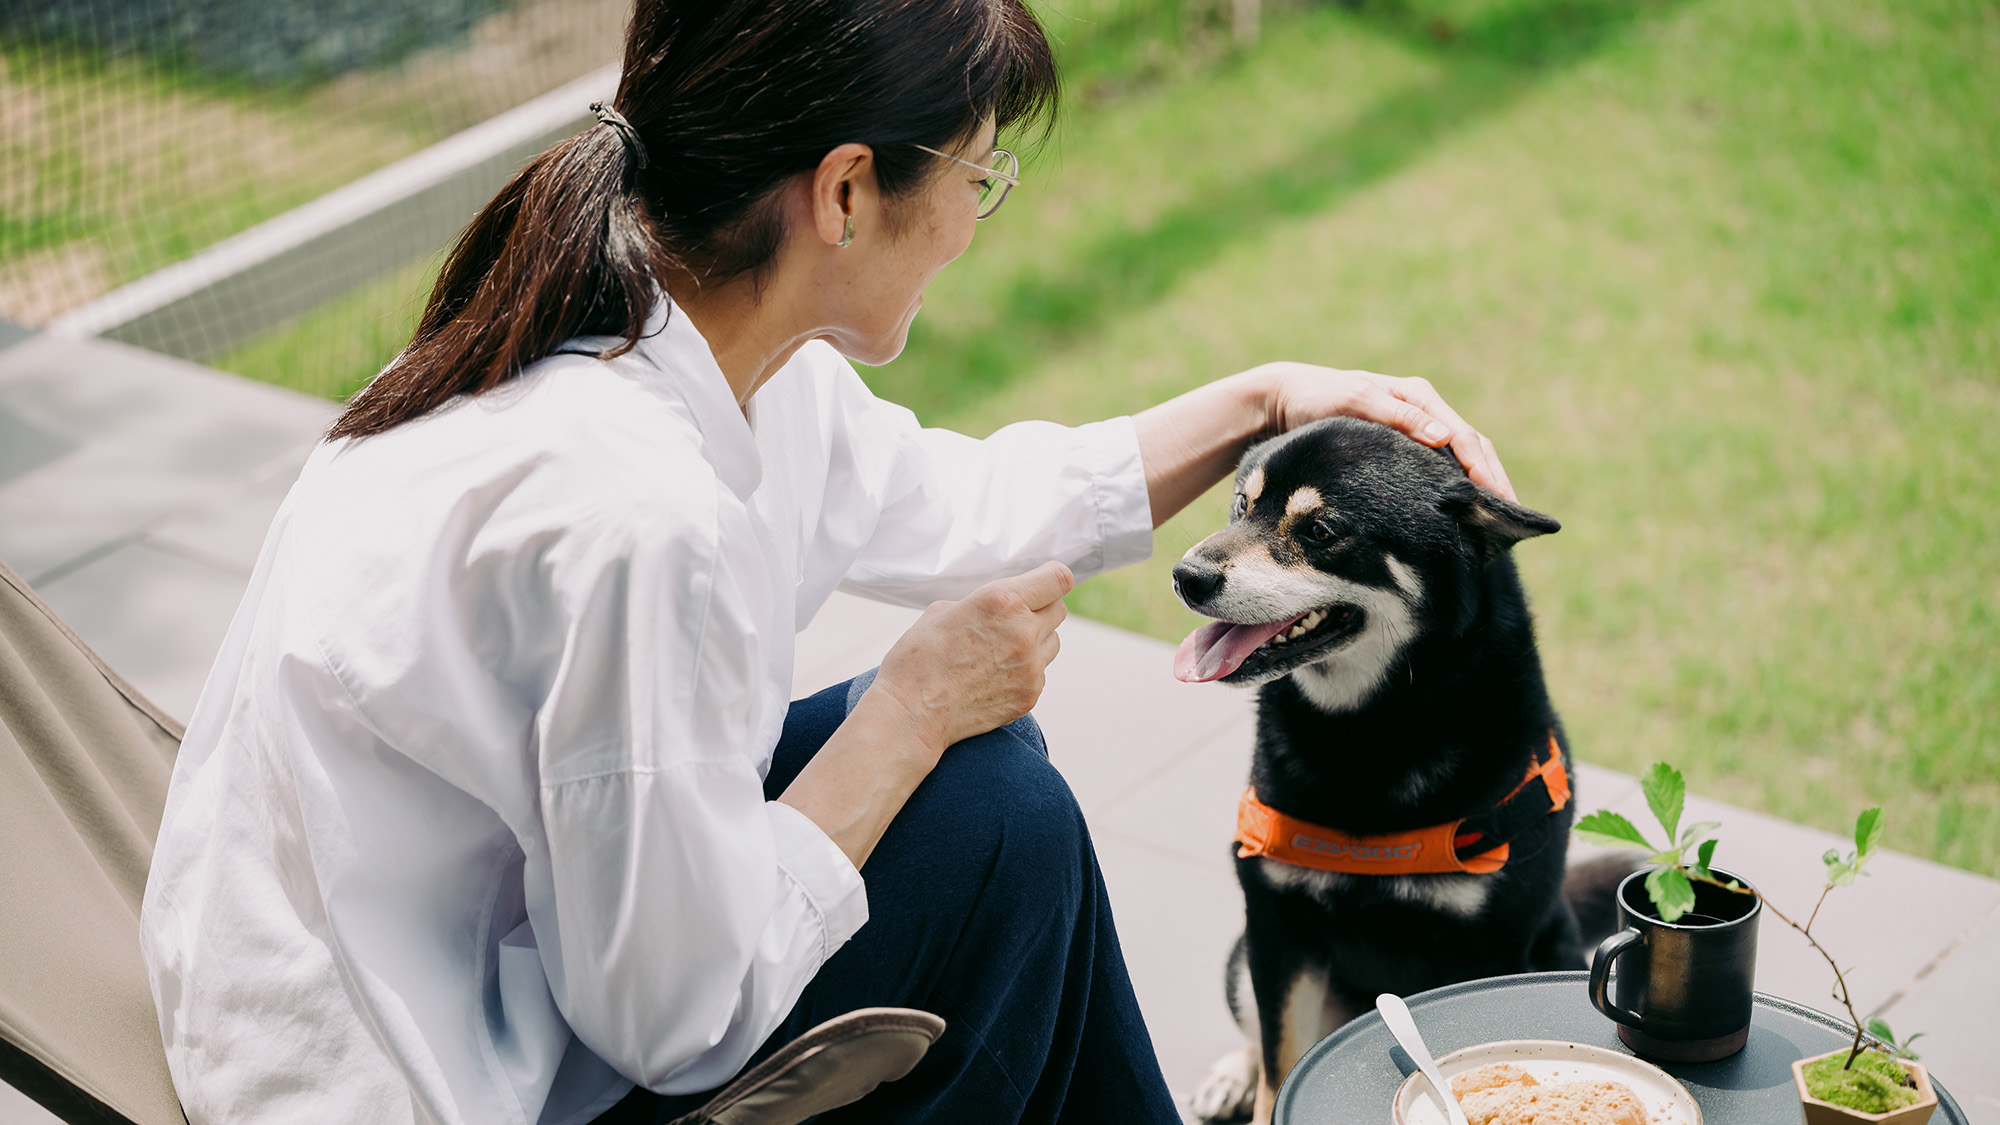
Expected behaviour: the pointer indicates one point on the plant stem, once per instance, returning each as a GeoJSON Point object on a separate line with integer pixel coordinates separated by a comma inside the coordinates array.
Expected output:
{"type": "Point", "coordinates": [1823, 892]}
{"type": "Point", "coordinates": [1839, 978]}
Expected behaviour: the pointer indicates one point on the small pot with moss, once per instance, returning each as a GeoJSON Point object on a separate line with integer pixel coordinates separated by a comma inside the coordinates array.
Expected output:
{"type": "Point", "coordinates": [1877, 1086]}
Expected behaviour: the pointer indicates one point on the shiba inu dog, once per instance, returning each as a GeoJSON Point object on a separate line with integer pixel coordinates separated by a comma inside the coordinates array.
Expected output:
{"type": "Point", "coordinates": [1408, 817]}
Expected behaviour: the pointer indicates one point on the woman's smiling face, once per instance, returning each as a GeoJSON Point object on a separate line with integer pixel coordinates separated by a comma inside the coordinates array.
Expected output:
{"type": "Point", "coordinates": [899, 245]}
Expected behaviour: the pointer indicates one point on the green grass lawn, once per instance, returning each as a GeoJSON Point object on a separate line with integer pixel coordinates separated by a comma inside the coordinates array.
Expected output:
{"type": "Point", "coordinates": [1721, 277]}
{"type": "Point", "coordinates": [335, 349]}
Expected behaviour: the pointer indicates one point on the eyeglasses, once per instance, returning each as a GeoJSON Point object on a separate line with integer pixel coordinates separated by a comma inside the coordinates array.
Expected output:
{"type": "Point", "coordinates": [1002, 178]}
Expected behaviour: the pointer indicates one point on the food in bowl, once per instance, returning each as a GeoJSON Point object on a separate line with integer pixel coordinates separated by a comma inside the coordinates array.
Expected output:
{"type": "Point", "coordinates": [1501, 1094]}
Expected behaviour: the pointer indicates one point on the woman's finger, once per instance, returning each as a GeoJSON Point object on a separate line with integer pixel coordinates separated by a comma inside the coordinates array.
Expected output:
{"type": "Point", "coordinates": [1046, 584]}
{"type": "Point", "coordinates": [1392, 410]}
{"type": "Point", "coordinates": [1505, 486]}
{"type": "Point", "coordinates": [1419, 392]}
{"type": "Point", "coordinates": [1481, 463]}
{"type": "Point", "coordinates": [1472, 448]}
{"type": "Point", "coordinates": [1051, 615]}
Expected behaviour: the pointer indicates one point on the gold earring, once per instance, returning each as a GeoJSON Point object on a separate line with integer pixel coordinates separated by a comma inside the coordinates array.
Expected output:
{"type": "Point", "coordinates": [847, 232]}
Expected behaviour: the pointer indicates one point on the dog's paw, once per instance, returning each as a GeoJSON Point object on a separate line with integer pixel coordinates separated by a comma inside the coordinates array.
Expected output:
{"type": "Point", "coordinates": [1228, 1092]}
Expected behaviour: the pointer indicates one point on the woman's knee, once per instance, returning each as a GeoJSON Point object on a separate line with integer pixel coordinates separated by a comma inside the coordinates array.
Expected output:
{"type": "Point", "coordinates": [1029, 731]}
{"type": "Point", "coordinates": [1008, 770]}
{"type": "Point", "coordinates": [987, 860]}
{"type": "Point", "coordinates": [996, 799]}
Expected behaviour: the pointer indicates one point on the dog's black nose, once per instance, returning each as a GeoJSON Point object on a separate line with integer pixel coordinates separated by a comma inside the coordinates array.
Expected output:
{"type": "Point", "coordinates": [1196, 582]}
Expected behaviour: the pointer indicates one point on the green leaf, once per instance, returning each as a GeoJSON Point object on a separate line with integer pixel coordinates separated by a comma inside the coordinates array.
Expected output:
{"type": "Point", "coordinates": [1608, 829]}
{"type": "Point", "coordinates": [1696, 832]}
{"type": "Point", "coordinates": [1867, 833]}
{"type": "Point", "coordinates": [1670, 891]}
{"type": "Point", "coordinates": [1831, 857]}
{"type": "Point", "coordinates": [1665, 789]}
{"type": "Point", "coordinates": [1704, 858]}
{"type": "Point", "coordinates": [1879, 1028]}
{"type": "Point", "coordinates": [1840, 874]}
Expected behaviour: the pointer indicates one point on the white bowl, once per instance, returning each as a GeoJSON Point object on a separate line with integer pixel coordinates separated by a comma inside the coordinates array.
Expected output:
{"type": "Point", "coordinates": [1667, 1101]}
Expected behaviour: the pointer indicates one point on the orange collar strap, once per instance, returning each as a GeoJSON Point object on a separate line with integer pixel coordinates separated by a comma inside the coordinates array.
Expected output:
{"type": "Point", "coordinates": [1473, 845]}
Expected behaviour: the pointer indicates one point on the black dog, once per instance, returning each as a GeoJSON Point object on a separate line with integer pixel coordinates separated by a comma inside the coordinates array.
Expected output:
{"type": "Point", "coordinates": [1368, 586]}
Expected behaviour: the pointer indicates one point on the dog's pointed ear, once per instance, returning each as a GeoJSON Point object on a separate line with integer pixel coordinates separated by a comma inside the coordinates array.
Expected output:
{"type": "Point", "coordinates": [1492, 521]}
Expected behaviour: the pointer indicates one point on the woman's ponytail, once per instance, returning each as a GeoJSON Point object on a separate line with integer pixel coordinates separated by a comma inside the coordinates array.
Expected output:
{"type": "Point", "coordinates": [566, 249]}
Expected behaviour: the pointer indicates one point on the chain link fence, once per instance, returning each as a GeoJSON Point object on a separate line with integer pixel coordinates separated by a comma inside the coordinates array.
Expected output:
{"type": "Point", "coordinates": [134, 134]}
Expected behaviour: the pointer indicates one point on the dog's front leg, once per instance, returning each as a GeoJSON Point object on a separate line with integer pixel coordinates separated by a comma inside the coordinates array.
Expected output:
{"type": "Point", "coordinates": [1267, 1101]}
{"type": "Point", "coordinates": [1302, 1010]}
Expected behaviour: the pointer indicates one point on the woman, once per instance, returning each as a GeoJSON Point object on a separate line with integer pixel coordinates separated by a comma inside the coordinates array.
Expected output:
{"type": "Point", "coordinates": [494, 806]}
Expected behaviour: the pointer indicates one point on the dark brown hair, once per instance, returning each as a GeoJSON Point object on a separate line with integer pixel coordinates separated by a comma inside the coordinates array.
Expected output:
{"type": "Point", "coordinates": [731, 99]}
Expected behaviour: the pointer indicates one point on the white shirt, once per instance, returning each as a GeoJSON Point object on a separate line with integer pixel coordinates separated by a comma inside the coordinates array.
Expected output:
{"type": "Point", "coordinates": [469, 823]}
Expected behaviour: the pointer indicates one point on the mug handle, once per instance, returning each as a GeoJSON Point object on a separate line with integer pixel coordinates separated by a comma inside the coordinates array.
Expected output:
{"type": "Point", "coordinates": [1600, 976]}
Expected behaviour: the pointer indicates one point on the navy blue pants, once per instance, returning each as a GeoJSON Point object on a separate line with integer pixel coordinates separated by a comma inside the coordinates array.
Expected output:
{"type": "Point", "coordinates": [985, 906]}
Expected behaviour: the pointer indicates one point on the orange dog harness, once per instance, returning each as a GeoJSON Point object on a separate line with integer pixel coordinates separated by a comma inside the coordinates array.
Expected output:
{"type": "Point", "coordinates": [1472, 845]}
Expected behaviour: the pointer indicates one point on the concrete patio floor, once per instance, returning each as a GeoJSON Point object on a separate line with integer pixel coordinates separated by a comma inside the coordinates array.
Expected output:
{"type": "Point", "coordinates": [135, 489]}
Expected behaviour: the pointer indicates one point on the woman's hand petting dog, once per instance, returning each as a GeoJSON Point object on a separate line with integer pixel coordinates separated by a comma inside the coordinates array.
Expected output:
{"type": "Point", "coordinates": [1305, 393]}
{"type": "Point", "coordinates": [967, 667]}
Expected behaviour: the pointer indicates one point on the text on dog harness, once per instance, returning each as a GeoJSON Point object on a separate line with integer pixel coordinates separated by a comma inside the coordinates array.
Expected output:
{"type": "Point", "coordinates": [1465, 846]}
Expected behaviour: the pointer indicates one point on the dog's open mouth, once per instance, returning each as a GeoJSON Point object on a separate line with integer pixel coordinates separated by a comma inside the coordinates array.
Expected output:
{"type": "Point", "coordinates": [1220, 647]}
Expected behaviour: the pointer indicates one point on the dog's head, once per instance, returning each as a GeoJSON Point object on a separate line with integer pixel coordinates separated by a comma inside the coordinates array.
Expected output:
{"type": "Point", "coordinates": [1347, 541]}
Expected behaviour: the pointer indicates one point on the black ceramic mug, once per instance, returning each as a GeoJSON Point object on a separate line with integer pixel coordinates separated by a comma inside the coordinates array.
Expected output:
{"type": "Point", "coordinates": [1681, 992]}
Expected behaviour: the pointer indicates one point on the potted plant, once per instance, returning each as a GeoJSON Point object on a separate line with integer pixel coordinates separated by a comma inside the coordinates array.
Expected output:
{"type": "Point", "coordinates": [1876, 1078]}
{"type": "Point", "coordinates": [1885, 1084]}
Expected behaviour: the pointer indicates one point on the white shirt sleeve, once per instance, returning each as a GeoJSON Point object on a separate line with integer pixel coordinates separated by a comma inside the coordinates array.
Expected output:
{"type": "Point", "coordinates": [687, 912]}
{"type": "Point", "coordinates": [954, 512]}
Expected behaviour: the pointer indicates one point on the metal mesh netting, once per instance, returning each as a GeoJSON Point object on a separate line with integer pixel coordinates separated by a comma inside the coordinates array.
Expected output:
{"type": "Point", "coordinates": [137, 133]}
{"type": "Point", "coordinates": [141, 139]}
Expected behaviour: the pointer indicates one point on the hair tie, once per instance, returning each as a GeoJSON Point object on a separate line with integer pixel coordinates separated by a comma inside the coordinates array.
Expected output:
{"type": "Point", "coordinates": [633, 145]}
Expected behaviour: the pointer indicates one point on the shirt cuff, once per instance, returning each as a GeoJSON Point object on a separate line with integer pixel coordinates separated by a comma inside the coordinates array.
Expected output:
{"type": "Point", "coordinates": [1110, 450]}
{"type": "Point", "coordinates": [810, 858]}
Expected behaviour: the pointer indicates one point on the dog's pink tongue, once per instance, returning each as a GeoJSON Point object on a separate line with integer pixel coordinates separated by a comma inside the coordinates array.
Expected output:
{"type": "Point", "coordinates": [1220, 647]}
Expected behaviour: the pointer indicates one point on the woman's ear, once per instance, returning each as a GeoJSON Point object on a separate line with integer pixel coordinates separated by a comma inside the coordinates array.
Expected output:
{"type": "Point", "coordinates": [845, 177]}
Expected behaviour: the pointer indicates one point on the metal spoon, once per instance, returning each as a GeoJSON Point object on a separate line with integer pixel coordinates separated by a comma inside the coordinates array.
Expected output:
{"type": "Point", "coordinates": [1396, 1014]}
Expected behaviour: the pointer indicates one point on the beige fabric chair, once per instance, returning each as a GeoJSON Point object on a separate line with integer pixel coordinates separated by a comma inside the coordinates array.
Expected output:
{"type": "Point", "coordinates": [84, 763]}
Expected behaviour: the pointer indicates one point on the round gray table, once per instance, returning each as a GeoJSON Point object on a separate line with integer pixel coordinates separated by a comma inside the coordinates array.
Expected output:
{"type": "Point", "coordinates": [1351, 1076]}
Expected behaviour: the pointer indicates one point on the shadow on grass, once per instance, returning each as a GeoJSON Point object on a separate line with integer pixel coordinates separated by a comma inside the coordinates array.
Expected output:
{"type": "Point", "coordinates": [1488, 64]}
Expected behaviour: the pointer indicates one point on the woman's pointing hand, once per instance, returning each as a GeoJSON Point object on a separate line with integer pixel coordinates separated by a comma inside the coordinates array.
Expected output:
{"type": "Point", "coordinates": [969, 666]}
{"type": "Point", "coordinates": [964, 668]}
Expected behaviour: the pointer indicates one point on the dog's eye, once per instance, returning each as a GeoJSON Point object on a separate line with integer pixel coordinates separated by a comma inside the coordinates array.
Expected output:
{"type": "Point", "coordinates": [1239, 506]}
{"type": "Point", "coordinates": [1317, 532]}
